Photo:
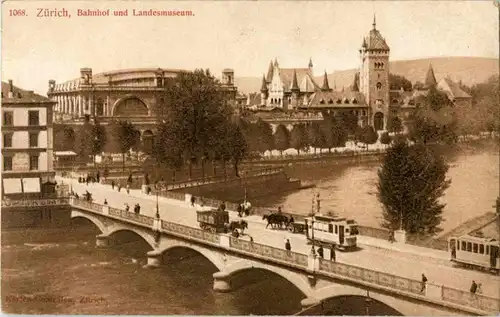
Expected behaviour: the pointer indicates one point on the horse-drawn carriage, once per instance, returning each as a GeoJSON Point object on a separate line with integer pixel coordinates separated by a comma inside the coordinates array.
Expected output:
{"type": "Point", "coordinates": [213, 220]}
{"type": "Point", "coordinates": [217, 221]}
{"type": "Point", "coordinates": [297, 227]}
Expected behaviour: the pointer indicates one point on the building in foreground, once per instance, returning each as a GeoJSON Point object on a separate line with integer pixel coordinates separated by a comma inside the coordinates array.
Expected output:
{"type": "Point", "coordinates": [29, 192]}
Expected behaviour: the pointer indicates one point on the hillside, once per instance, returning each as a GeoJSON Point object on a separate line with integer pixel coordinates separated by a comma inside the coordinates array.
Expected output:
{"type": "Point", "coordinates": [471, 70]}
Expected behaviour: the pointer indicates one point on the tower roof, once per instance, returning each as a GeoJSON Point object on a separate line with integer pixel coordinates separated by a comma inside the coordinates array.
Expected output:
{"type": "Point", "coordinates": [310, 63]}
{"type": "Point", "coordinates": [263, 88]}
{"type": "Point", "coordinates": [374, 40]}
{"type": "Point", "coordinates": [295, 84]}
{"type": "Point", "coordinates": [430, 79]}
{"type": "Point", "coordinates": [326, 86]}
{"type": "Point", "coordinates": [270, 71]}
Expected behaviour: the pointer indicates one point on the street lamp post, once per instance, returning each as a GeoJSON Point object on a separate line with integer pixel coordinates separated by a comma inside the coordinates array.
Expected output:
{"type": "Point", "coordinates": [157, 206]}
{"type": "Point", "coordinates": [312, 224]}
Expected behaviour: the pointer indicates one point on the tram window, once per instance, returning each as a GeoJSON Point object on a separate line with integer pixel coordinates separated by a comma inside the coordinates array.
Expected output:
{"type": "Point", "coordinates": [469, 247]}
{"type": "Point", "coordinates": [458, 245]}
{"type": "Point", "coordinates": [474, 248]}
{"type": "Point", "coordinates": [481, 248]}
{"type": "Point", "coordinates": [336, 229]}
{"type": "Point", "coordinates": [330, 228]}
{"type": "Point", "coordinates": [487, 249]}
{"type": "Point", "coordinates": [464, 248]}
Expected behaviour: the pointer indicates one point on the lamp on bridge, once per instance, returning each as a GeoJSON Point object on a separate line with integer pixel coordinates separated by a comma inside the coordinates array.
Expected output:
{"type": "Point", "coordinates": [368, 302]}
{"type": "Point", "coordinates": [157, 206]}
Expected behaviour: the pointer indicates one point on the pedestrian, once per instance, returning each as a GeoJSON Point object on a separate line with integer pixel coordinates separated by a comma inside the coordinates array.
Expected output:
{"type": "Point", "coordinates": [320, 251]}
{"type": "Point", "coordinates": [453, 252]}
{"type": "Point", "coordinates": [313, 251]}
{"type": "Point", "coordinates": [138, 208]}
{"type": "Point", "coordinates": [332, 253]}
{"type": "Point", "coordinates": [391, 236]}
{"type": "Point", "coordinates": [87, 181]}
{"type": "Point", "coordinates": [473, 287]}
{"type": "Point", "coordinates": [288, 247]}
{"type": "Point", "coordinates": [148, 190]}
{"type": "Point", "coordinates": [127, 207]}
{"type": "Point", "coordinates": [223, 206]}
{"type": "Point", "coordinates": [129, 180]}
{"type": "Point", "coordinates": [193, 199]}
{"type": "Point", "coordinates": [251, 239]}
{"type": "Point", "coordinates": [128, 189]}
{"type": "Point", "coordinates": [240, 209]}
{"type": "Point", "coordinates": [105, 201]}
{"type": "Point", "coordinates": [98, 176]}
{"type": "Point", "coordinates": [424, 281]}
{"type": "Point", "coordinates": [113, 184]}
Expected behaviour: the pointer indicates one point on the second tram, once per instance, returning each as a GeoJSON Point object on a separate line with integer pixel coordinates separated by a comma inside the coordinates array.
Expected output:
{"type": "Point", "coordinates": [340, 232]}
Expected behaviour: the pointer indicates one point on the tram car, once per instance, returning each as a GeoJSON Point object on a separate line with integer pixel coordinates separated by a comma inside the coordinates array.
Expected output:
{"type": "Point", "coordinates": [475, 252]}
{"type": "Point", "coordinates": [339, 232]}
{"type": "Point", "coordinates": [213, 220]}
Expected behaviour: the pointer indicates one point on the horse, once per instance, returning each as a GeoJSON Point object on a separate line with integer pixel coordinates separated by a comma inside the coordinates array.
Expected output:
{"type": "Point", "coordinates": [276, 220]}
{"type": "Point", "coordinates": [241, 225]}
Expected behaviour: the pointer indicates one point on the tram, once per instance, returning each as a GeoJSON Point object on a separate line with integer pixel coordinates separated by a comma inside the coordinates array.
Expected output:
{"type": "Point", "coordinates": [335, 231]}
{"type": "Point", "coordinates": [475, 252]}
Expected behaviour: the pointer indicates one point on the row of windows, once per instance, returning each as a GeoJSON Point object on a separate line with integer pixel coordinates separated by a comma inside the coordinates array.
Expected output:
{"type": "Point", "coordinates": [345, 100]}
{"type": "Point", "coordinates": [33, 118]}
{"type": "Point", "coordinates": [33, 139]}
{"type": "Point", "coordinates": [379, 65]}
{"type": "Point", "coordinates": [328, 227]}
{"type": "Point", "coordinates": [473, 247]}
{"type": "Point", "coordinates": [7, 163]}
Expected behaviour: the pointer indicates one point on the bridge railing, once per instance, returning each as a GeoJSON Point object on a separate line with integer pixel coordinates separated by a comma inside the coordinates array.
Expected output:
{"type": "Point", "coordinates": [269, 252]}
{"type": "Point", "coordinates": [145, 220]}
{"type": "Point", "coordinates": [86, 204]}
{"type": "Point", "coordinates": [464, 298]}
{"type": "Point", "coordinates": [190, 232]}
{"type": "Point", "coordinates": [371, 276]}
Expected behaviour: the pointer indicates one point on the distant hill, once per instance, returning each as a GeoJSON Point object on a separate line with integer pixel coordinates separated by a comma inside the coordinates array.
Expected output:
{"type": "Point", "coordinates": [471, 70]}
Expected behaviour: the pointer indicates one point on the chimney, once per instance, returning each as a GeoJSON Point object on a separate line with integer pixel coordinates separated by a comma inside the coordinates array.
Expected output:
{"type": "Point", "coordinates": [11, 89]}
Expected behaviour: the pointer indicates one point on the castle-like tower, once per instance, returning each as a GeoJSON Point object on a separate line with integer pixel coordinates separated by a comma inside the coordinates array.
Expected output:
{"type": "Point", "coordinates": [374, 77]}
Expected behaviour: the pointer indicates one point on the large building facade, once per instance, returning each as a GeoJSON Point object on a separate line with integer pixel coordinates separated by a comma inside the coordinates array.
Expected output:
{"type": "Point", "coordinates": [27, 149]}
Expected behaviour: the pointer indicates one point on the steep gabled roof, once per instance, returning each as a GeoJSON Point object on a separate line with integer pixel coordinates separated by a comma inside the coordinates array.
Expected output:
{"type": "Point", "coordinates": [452, 89]}
{"type": "Point", "coordinates": [430, 78]}
{"type": "Point", "coordinates": [270, 72]}
{"type": "Point", "coordinates": [263, 88]}
{"type": "Point", "coordinates": [305, 80]}
{"type": "Point", "coordinates": [374, 40]}
{"type": "Point", "coordinates": [326, 86]}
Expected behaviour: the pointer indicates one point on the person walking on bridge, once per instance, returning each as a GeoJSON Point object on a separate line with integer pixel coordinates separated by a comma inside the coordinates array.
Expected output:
{"type": "Point", "coordinates": [332, 253]}
{"type": "Point", "coordinates": [288, 247]}
{"type": "Point", "coordinates": [424, 281]}
{"type": "Point", "coordinates": [113, 184]}
{"type": "Point", "coordinates": [320, 251]}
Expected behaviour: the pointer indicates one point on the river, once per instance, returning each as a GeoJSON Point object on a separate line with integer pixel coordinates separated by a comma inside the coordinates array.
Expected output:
{"type": "Point", "coordinates": [350, 190]}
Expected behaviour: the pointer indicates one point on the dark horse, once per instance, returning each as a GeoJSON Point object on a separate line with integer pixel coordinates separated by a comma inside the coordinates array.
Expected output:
{"type": "Point", "coordinates": [242, 225]}
{"type": "Point", "coordinates": [276, 220]}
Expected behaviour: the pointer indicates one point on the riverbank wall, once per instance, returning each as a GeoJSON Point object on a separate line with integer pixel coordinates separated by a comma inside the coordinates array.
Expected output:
{"type": "Point", "coordinates": [36, 217]}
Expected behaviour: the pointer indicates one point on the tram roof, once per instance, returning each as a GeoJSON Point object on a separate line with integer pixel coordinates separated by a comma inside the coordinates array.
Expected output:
{"type": "Point", "coordinates": [471, 238]}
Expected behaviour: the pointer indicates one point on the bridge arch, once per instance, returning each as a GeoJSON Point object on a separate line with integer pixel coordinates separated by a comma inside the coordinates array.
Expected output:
{"type": "Point", "coordinates": [214, 257]}
{"type": "Point", "coordinates": [328, 293]}
{"type": "Point", "coordinates": [99, 224]}
{"type": "Point", "coordinates": [130, 106]}
{"type": "Point", "coordinates": [146, 236]}
{"type": "Point", "coordinates": [299, 281]}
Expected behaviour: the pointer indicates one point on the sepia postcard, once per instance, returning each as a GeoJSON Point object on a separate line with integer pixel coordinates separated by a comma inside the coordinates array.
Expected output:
{"type": "Point", "coordinates": [250, 158]}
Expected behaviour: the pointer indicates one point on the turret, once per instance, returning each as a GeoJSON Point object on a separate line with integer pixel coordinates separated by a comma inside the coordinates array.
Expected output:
{"type": "Point", "coordinates": [263, 91]}
{"type": "Point", "coordinates": [295, 90]}
{"type": "Point", "coordinates": [310, 66]}
{"type": "Point", "coordinates": [355, 84]}
{"type": "Point", "coordinates": [52, 85]}
{"type": "Point", "coordinates": [228, 76]}
{"type": "Point", "coordinates": [270, 72]}
{"type": "Point", "coordinates": [86, 76]}
{"type": "Point", "coordinates": [326, 86]}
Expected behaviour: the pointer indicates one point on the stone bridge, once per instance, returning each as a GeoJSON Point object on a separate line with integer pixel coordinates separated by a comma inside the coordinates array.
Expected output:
{"type": "Point", "coordinates": [319, 280]}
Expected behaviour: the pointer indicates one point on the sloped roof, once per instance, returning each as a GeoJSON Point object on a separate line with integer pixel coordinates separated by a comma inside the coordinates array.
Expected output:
{"type": "Point", "coordinates": [304, 78]}
{"type": "Point", "coordinates": [270, 71]}
{"type": "Point", "coordinates": [21, 96]}
{"type": "Point", "coordinates": [430, 78]}
{"type": "Point", "coordinates": [336, 99]}
{"type": "Point", "coordinates": [452, 89]}
{"type": "Point", "coordinates": [375, 41]}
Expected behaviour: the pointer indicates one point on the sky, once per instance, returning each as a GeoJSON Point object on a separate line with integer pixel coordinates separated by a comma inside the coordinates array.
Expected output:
{"type": "Point", "coordinates": [243, 35]}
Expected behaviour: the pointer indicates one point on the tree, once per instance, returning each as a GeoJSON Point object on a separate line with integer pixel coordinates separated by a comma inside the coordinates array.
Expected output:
{"type": "Point", "coordinates": [84, 147]}
{"type": "Point", "coordinates": [418, 85]}
{"type": "Point", "coordinates": [282, 138]}
{"type": "Point", "coordinates": [167, 150]}
{"type": "Point", "coordinates": [298, 137]}
{"type": "Point", "coordinates": [237, 146]}
{"type": "Point", "coordinates": [411, 181]}
{"type": "Point", "coordinates": [264, 136]}
{"type": "Point", "coordinates": [396, 82]}
{"type": "Point", "coordinates": [385, 138]}
{"type": "Point", "coordinates": [369, 136]}
{"type": "Point", "coordinates": [195, 114]}
{"type": "Point", "coordinates": [395, 124]}
{"type": "Point", "coordinates": [126, 136]}
{"type": "Point", "coordinates": [315, 136]}
{"type": "Point", "coordinates": [349, 121]}
{"type": "Point", "coordinates": [98, 138]}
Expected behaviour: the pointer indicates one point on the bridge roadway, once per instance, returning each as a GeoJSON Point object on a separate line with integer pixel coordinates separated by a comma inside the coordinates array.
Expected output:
{"type": "Point", "coordinates": [383, 260]}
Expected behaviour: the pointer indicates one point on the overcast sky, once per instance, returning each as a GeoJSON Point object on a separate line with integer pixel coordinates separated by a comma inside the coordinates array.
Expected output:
{"type": "Point", "coordinates": [239, 35]}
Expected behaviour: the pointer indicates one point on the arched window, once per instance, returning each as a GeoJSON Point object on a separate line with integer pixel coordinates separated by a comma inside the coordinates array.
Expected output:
{"type": "Point", "coordinates": [322, 101]}
{"type": "Point", "coordinates": [346, 100]}
{"type": "Point", "coordinates": [330, 101]}
{"type": "Point", "coordinates": [379, 86]}
{"type": "Point", "coordinates": [354, 101]}
{"type": "Point", "coordinates": [339, 101]}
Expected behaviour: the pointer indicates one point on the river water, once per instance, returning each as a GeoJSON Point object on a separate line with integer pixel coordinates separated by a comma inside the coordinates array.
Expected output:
{"type": "Point", "coordinates": [59, 271]}
{"type": "Point", "coordinates": [350, 190]}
